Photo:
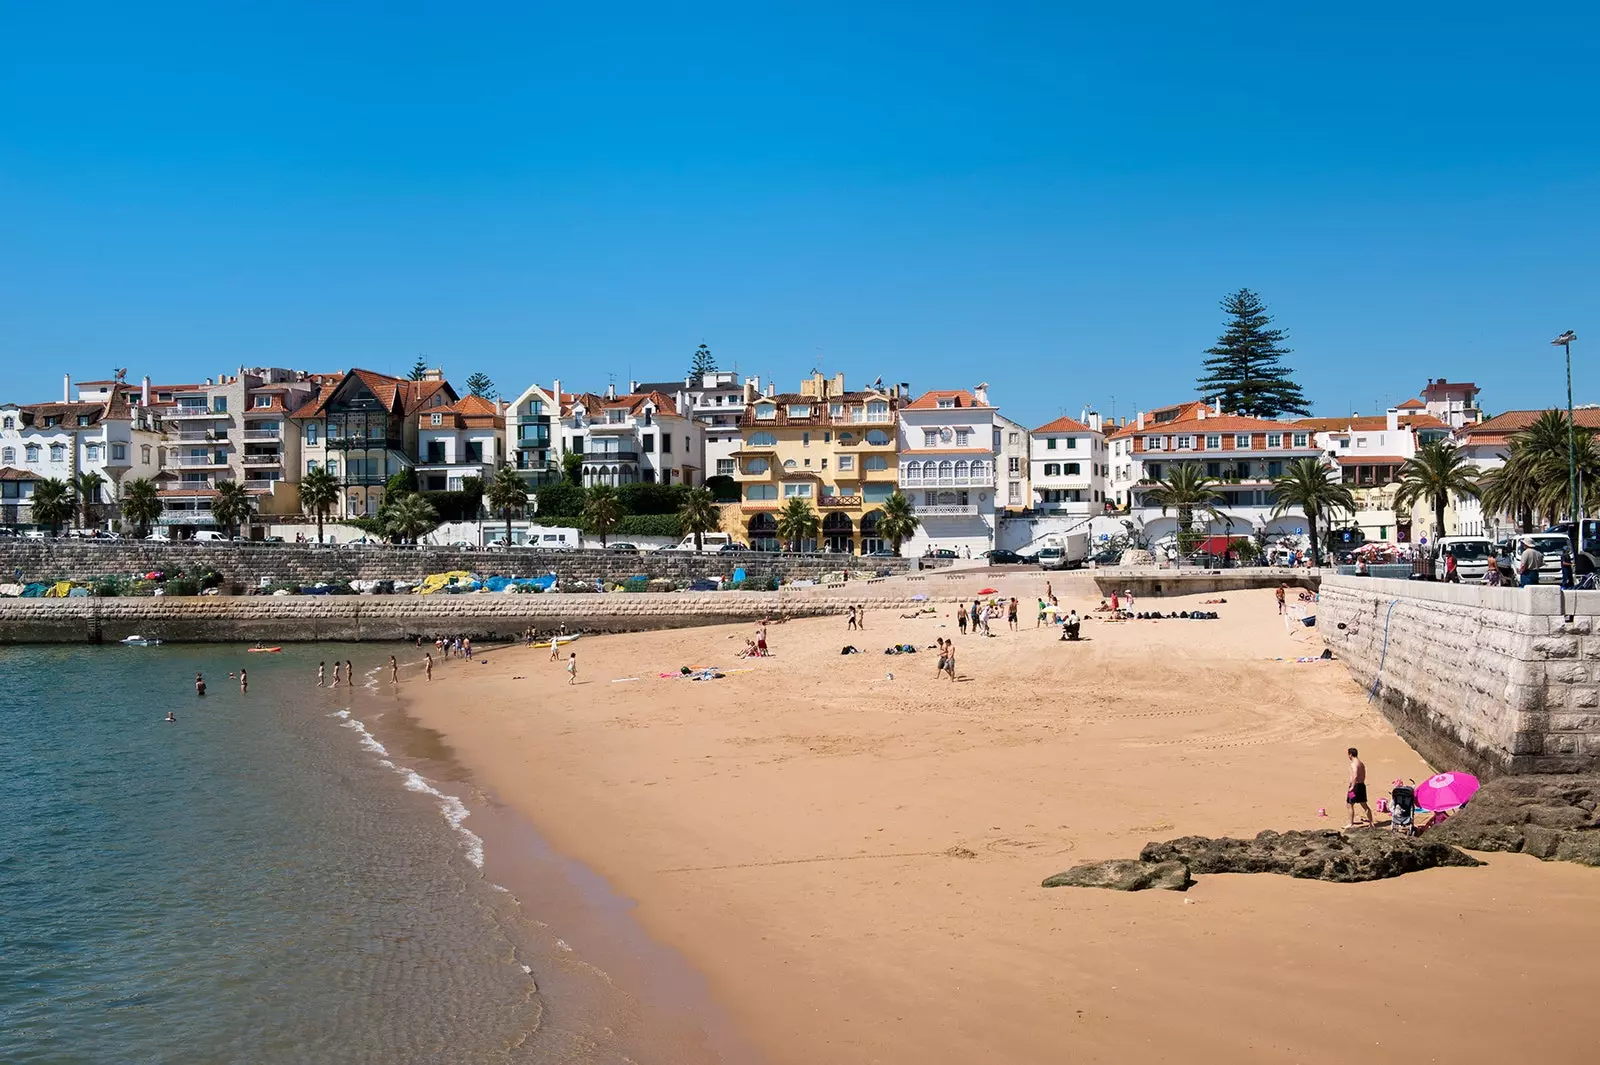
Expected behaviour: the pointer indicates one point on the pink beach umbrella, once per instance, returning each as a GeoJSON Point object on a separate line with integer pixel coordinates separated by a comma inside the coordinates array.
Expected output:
{"type": "Point", "coordinates": [1446, 791]}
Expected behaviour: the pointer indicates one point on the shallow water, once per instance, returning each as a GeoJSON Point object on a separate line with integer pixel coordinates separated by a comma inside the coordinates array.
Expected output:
{"type": "Point", "coordinates": [262, 881]}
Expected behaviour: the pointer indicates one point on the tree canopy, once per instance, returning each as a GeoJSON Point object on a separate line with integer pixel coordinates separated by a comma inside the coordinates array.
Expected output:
{"type": "Point", "coordinates": [480, 384]}
{"type": "Point", "coordinates": [418, 369]}
{"type": "Point", "coordinates": [1245, 371]}
{"type": "Point", "coordinates": [703, 363]}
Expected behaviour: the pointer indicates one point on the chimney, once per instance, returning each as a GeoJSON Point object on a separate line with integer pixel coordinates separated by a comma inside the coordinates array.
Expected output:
{"type": "Point", "coordinates": [611, 391]}
{"type": "Point", "coordinates": [1200, 412]}
{"type": "Point", "coordinates": [772, 389]}
{"type": "Point", "coordinates": [633, 387]}
{"type": "Point", "coordinates": [1141, 421]}
{"type": "Point", "coordinates": [980, 394]}
{"type": "Point", "coordinates": [1217, 408]}
{"type": "Point", "coordinates": [556, 396]}
{"type": "Point", "coordinates": [66, 388]}
{"type": "Point", "coordinates": [1394, 419]}
{"type": "Point", "coordinates": [144, 392]}
{"type": "Point", "coordinates": [1094, 422]}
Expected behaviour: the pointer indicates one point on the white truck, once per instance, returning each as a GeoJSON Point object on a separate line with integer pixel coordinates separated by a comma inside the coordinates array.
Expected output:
{"type": "Point", "coordinates": [1063, 551]}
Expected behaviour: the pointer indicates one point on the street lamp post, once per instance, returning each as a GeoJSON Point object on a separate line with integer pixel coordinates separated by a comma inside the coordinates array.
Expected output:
{"type": "Point", "coordinates": [1565, 341]}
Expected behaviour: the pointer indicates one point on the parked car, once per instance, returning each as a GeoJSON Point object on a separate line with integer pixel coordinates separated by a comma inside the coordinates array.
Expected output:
{"type": "Point", "coordinates": [210, 536]}
{"type": "Point", "coordinates": [731, 547]}
{"type": "Point", "coordinates": [884, 552]}
{"type": "Point", "coordinates": [1002, 557]}
{"type": "Point", "coordinates": [623, 547]}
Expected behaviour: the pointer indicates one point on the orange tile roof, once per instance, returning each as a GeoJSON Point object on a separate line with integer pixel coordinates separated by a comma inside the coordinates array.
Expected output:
{"type": "Point", "coordinates": [930, 400]}
{"type": "Point", "coordinates": [11, 473]}
{"type": "Point", "coordinates": [1368, 423]}
{"type": "Point", "coordinates": [1412, 404]}
{"type": "Point", "coordinates": [1502, 427]}
{"type": "Point", "coordinates": [1063, 425]}
{"type": "Point", "coordinates": [1370, 460]}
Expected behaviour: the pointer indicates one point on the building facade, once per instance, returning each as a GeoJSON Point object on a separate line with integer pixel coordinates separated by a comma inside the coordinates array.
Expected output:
{"type": "Point", "coordinates": [1013, 465]}
{"type": "Point", "coordinates": [644, 438]}
{"type": "Point", "coordinates": [1369, 451]}
{"type": "Point", "coordinates": [946, 442]}
{"type": "Point", "coordinates": [830, 446]}
{"type": "Point", "coordinates": [535, 443]}
{"type": "Point", "coordinates": [1068, 467]}
{"type": "Point", "coordinates": [459, 441]}
{"type": "Point", "coordinates": [715, 401]}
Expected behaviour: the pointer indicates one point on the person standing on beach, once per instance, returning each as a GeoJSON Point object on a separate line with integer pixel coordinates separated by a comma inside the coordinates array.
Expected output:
{"type": "Point", "coordinates": [961, 619]}
{"type": "Point", "coordinates": [950, 660]}
{"type": "Point", "coordinates": [852, 622]}
{"type": "Point", "coordinates": [349, 673]}
{"type": "Point", "coordinates": [322, 674]}
{"type": "Point", "coordinates": [572, 668]}
{"type": "Point", "coordinates": [1357, 794]}
{"type": "Point", "coordinates": [942, 652]}
{"type": "Point", "coordinates": [199, 684]}
{"type": "Point", "coordinates": [861, 617]}
{"type": "Point", "coordinates": [1279, 595]}
{"type": "Point", "coordinates": [336, 673]}
{"type": "Point", "coordinates": [555, 647]}
{"type": "Point", "coordinates": [466, 646]}
{"type": "Point", "coordinates": [1011, 614]}
{"type": "Point", "coordinates": [394, 671]}
{"type": "Point", "coordinates": [427, 666]}
{"type": "Point", "coordinates": [244, 682]}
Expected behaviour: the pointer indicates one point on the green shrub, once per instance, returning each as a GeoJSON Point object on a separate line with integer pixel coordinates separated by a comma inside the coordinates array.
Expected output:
{"type": "Point", "coordinates": [456, 506]}
{"type": "Point", "coordinates": [724, 489]}
{"type": "Point", "coordinates": [108, 587]}
{"type": "Point", "coordinates": [636, 584]}
{"type": "Point", "coordinates": [651, 498]}
{"type": "Point", "coordinates": [558, 501]}
{"type": "Point", "coordinates": [648, 525]}
{"type": "Point", "coordinates": [181, 586]}
{"type": "Point", "coordinates": [758, 584]}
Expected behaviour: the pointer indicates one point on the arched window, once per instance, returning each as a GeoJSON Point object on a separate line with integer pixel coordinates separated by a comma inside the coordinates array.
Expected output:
{"type": "Point", "coordinates": [58, 453]}
{"type": "Point", "coordinates": [913, 470]}
{"type": "Point", "coordinates": [961, 468]}
{"type": "Point", "coordinates": [756, 466]}
{"type": "Point", "coordinates": [8, 456]}
{"type": "Point", "coordinates": [788, 464]}
{"type": "Point", "coordinates": [877, 436]}
{"type": "Point", "coordinates": [947, 468]}
{"type": "Point", "coordinates": [847, 438]}
{"type": "Point", "coordinates": [10, 422]}
{"type": "Point", "coordinates": [762, 440]}
{"type": "Point", "coordinates": [33, 452]}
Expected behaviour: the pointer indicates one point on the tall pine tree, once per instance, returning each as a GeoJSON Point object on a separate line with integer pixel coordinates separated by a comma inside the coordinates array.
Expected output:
{"type": "Point", "coordinates": [418, 369]}
{"type": "Point", "coordinates": [1245, 371]}
{"type": "Point", "coordinates": [703, 363]}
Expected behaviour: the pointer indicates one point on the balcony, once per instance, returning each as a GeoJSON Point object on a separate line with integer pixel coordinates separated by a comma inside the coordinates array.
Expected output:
{"type": "Point", "coordinates": [202, 436]}
{"type": "Point", "coordinates": [195, 412]}
{"type": "Point", "coordinates": [594, 458]}
{"type": "Point", "coordinates": [947, 510]}
{"type": "Point", "coordinates": [264, 435]}
{"type": "Point", "coordinates": [274, 459]}
{"type": "Point", "coordinates": [261, 484]}
{"type": "Point", "coordinates": [985, 480]}
{"type": "Point", "coordinates": [838, 502]}
{"type": "Point", "coordinates": [365, 480]}
{"type": "Point", "coordinates": [366, 443]}
{"type": "Point", "coordinates": [538, 440]}
{"type": "Point", "coordinates": [203, 460]}
{"type": "Point", "coordinates": [538, 476]}
{"type": "Point", "coordinates": [196, 516]}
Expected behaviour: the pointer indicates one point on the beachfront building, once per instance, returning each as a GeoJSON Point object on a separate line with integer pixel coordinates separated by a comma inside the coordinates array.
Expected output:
{"type": "Point", "coordinates": [60, 441]}
{"type": "Point", "coordinates": [362, 427]}
{"type": "Point", "coordinates": [1244, 454]}
{"type": "Point", "coordinates": [1068, 466]}
{"type": "Point", "coordinates": [826, 444]}
{"type": "Point", "coordinates": [639, 438]}
{"type": "Point", "coordinates": [946, 444]}
{"type": "Point", "coordinates": [1369, 451]}
{"type": "Point", "coordinates": [534, 442]}
{"type": "Point", "coordinates": [1454, 403]}
{"type": "Point", "coordinates": [1486, 444]}
{"type": "Point", "coordinates": [459, 441]}
{"type": "Point", "coordinates": [715, 401]}
{"type": "Point", "coordinates": [1012, 465]}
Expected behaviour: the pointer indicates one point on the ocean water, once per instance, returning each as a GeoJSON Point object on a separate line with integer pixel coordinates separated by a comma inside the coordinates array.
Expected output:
{"type": "Point", "coordinates": [263, 881]}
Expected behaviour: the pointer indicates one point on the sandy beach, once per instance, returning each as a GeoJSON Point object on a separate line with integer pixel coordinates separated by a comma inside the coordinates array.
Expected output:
{"type": "Point", "coordinates": [853, 862]}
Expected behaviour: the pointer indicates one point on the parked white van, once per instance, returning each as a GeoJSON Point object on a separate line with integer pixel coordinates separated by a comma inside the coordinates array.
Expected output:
{"type": "Point", "coordinates": [710, 542]}
{"type": "Point", "coordinates": [1472, 555]}
{"type": "Point", "coordinates": [210, 536]}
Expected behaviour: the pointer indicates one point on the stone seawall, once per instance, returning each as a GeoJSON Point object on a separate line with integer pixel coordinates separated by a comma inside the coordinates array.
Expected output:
{"type": "Point", "coordinates": [289, 619]}
{"type": "Point", "coordinates": [1494, 680]}
{"type": "Point", "coordinates": [1147, 582]}
{"type": "Point", "coordinates": [246, 565]}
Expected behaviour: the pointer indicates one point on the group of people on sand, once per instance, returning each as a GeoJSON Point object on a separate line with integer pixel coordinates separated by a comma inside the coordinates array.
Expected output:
{"type": "Point", "coordinates": [947, 659]}
{"type": "Point", "coordinates": [339, 675]}
{"type": "Point", "coordinates": [460, 646]}
{"type": "Point", "coordinates": [858, 618]}
{"type": "Point", "coordinates": [977, 617]}
{"type": "Point", "coordinates": [756, 646]}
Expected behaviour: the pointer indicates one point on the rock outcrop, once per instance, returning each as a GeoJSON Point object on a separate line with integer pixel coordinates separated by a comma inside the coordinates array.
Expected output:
{"type": "Point", "coordinates": [1553, 818]}
{"type": "Point", "coordinates": [1370, 854]}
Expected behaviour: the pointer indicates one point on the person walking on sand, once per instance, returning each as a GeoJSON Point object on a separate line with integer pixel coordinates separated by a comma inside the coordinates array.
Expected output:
{"type": "Point", "coordinates": [466, 646]}
{"type": "Point", "coordinates": [244, 682]}
{"type": "Point", "coordinates": [1357, 794]}
{"type": "Point", "coordinates": [961, 619]}
{"type": "Point", "coordinates": [861, 617]}
{"type": "Point", "coordinates": [572, 668]}
{"type": "Point", "coordinates": [942, 652]}
{"type": "Point", "coordinates": [349, 673]}
{"type": "Point", "coordinates": [199, 684]}
{"type": "Point", "coordinates": [394, 671]}
{"type": "Point", "coordinates": [337, 672]}
{"type": "Point", "coordinates": [555, 647]}
{"type": "Point", "coordinates": [1011, 614]}
{"type": "Point", "coordinates": [950, 660]}
{"type": "Point", "coordinates": [427, 666]}
{"type": "Point", "coordinates": [1279, 595]}
{"type": "Point", "coordinates": [852, 623]}
{"type": "Point", "coordinates": [322, 674]}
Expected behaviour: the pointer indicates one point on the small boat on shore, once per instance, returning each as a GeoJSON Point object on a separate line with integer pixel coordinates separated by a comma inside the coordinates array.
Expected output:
{"type": "Point", "coordinates": [139, 641]}
{"type": "Point", "coordinates": [559, 640]}
{"type": "Point", "coordinates": [265, 650]}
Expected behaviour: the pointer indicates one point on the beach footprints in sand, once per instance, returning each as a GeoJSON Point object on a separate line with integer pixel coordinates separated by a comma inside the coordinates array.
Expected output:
{"type": "Point", "coordinates": [1028, 845]}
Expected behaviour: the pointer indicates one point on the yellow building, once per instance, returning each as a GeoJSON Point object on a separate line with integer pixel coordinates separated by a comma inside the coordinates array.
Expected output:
{"type": "Point", "coordinates": [831, 447]}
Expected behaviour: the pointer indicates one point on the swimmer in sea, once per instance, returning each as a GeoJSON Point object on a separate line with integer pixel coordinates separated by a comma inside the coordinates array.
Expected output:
{"type": "Point", "coordinates": [199, 684]}
{"type": "Point", "coordinates": [172, 719]}
{"type": "Point", "coordinates": [244, 682]}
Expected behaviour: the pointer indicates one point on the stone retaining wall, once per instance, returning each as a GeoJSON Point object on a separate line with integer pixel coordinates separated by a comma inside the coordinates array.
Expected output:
{"type": "Point", "coordinates": [1148, 582]}
{"type": "Point", "coordinates": [1495, 680]}
{"type": "Point", "coordinates": [288, 619]}
{"type": "Point", "coordinates": [246, 564]}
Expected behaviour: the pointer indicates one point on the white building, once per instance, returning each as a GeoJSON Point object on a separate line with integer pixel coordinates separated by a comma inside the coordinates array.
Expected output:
{"type": "Point", "coordinates": [535, 444]}
{"type": "Point", "coordinates": [1369, 451]}
{"type": "Point", "coordinates": [457, 441]}
{"type": "Point", "coordinates": [1454, 403]}
{"type": "Point", "coordinates": [637, 438]}
{"type": "Point", "coordinates": [1068, 466]}
{"type": "Point", "coordinates": [947, 469]}
{"type": "Point", "coordinates": [716, 401]}
{"type": "Point", "coordinates": [1012, 464]}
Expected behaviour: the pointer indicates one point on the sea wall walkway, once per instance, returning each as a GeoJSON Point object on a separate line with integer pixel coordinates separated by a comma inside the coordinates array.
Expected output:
{"type": "Point", "coordinates": [1495, 680]}
{"type": "Point", "coordinates": [1150, 581]}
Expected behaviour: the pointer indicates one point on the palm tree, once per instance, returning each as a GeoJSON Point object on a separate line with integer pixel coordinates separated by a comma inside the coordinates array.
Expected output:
{"type": "Point", "coordinates": [410, 515]}
{"type": "Point", "coordinates": [1313, 489]}
{"type": "Point", "coordinates": [53, 503]}
{"type": "Point", "coordinates": [319, 491]}
{"type": "Point", "coordinates": [86, 486]}
{"type": "Point", "coordinates": [1515, 488]}
{"type": "Point", "coordinates": [699, 514]}
{"type": "Point", "coordinates": [232, 506]}
{"type": "Point", "coordinates": [797, 522]}
{"type": "Point", "coordinates": [603, 510]}
{"type": "Point", "coordinates": [506, 493]}
{"type": "Point", "coordinates": [1433, 474]}
{"type": "Point", "coordinates": [141, 504]}
{"type": "Point", "coordinates": [896, 520]}
{"type": "Point", "coordinates": [1186, 489]}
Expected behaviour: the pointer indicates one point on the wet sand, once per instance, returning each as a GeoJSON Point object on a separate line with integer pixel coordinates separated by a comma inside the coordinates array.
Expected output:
{"type": "Point", "coordinates": [853, 862]}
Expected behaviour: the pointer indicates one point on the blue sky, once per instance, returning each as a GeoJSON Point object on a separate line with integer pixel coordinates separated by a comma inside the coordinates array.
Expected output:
{"type": "Point", "coordinates": [1044, 198]}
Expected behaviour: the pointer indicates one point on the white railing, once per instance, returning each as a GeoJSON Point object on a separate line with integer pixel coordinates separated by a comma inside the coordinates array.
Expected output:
{"type": "Point", "coordinates": [984, 480]}
{"type": "Point", "coordinates": [861, 417]}
{"type": "Point", "coordinates": [195, 436]}
{"type": "Point", "coordinates": [263, 434]}
{"type": "Point", "coordinates": [947, 510]}
{"type": "Point", "coordinates": [202, 460]}
{"type": "Point", "coordinates": [261, 484]}
{"type": "Point", "coordinates": [196, 412]}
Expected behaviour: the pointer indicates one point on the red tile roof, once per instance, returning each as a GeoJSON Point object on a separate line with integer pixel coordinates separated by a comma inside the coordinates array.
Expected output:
{"type": "Point", "coordinates": [930, 400]}
{"type": "Point", "coordinates": [1063, 425]}
{"type": "Point", "coordinates": [1370, 460]}
{"type": "Point", "coordinates": [1368, 423]}
{"type": "Point", "coordinates": [1412, 404]}
{"type": "Point", "coordinates": [396, 393]}
{"type": "Point", "coordinates": [1503, 426]}
{"type": "Point", "coordinates": [11, 473]}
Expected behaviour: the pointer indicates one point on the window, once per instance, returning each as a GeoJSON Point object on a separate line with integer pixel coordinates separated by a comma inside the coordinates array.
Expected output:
{"type": "Point", "coordinates": [876, 492]}
{"type": "Point", "coordinates": [799, 410]}
{"type": "Point", "coordinates": [1152, 443]}
{"type": "Point", "coordinates": [930, 438]}
{"type": "Point", "coordinates": [1241, 441]}
{"type": "Point", "coordinates": [311, 465]}
{"type": "Point", "coordinates": [836, 410]}
{"type": "Point", "coordinates": [1049, 443]}
{"type": "Point", "coordinates": [766, 411]}
{"type": "Point", "coordinates": [877, 411]}
{"type": "Point", "coordinates": [827, 438]}
{"type": "Point", "coordinates": [1011, 438]}
{"type": "Point", "coordinates": [877, 437]}
{"type": "Point", "coordinates": [83, 419]}
{"type": "Point", "coordinates": [805, 439]}
{"type": "Point", "coordinates": [1014, 493]}
{"type": "Point", "coordinates": [724, 467]}
{"type": "Point", "coordinates": [647, 443]}
{"type": "Point", "coordinates": [847, 462]}
{"type": "Point", "coordinates": [1300, 439]}
{"type": "Point", "coordinates": [756, 466]}
{"type": "Point", "coordinates": [789, 464]}
{"type": "Point", "coordinates": [58, 453]}
{"type": "Point", "coordinates": [962, 436]}
{"type": "Point", "coordinates": [219, 404]}
{"type": "Point", "coordinates": [1361, 441]}
{"type": "Point", "coordinates": [436, 419]}
{"type": "Point", "coordinates": [1072, 443]}
{"type": "Point", "coordinates": [1213, 441]}
{"type": "Point", "coordinates": [1052, 469]}
{"type": "Point", "coordinates": [8, 455]}
{"type": "Point", "coordinates": [333, 467]}
{"type": "Point", "coordinates": [91, 453]}
{"type": "Point", "coordinates": [119, 452]}
{"type": "Point", "coordinates": [262, 401]}
{"type": "Point", "coordinates": [536, 407]}
{"type": "Point", "coordinates": [1071, 469]}
{"type": "Point", "coordinates": [10, 422]}
{"type": "Point", "coordinates": [763, 440]}
{"type": "Point", "coordinates": [311, 434]}
{"type": "Point", "coordinates": [946, 402]}
{"type": "Point", "coordinates": [33, 452]}
{"type": "Point", "coordinates": [875, 462]}
{"type": "Point", "coordinates": [797, 490]}
{"type": "Point", "coordinates": [1185, 443]}
{"type": "Point", "coordinates": [1152, 470]}
{"type": "Point", "coordinates": [758, 492]}
{"type": "Point", "coordinates": [1014, 466]}
{"type": "Point", "coordinates": [1274, 440]}
{"type": "Point", "coordinates": [847, 438]}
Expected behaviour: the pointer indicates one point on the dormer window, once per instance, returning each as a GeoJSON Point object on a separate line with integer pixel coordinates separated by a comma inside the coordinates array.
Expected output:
{"type": "Point", "coordinates": [799, 410]}
{"type": "Point", "coordinates": [766, 411]}
{"type": "Point", "coordinates": [947, 403]}
{"type": "Point", "coordinates": [51, 421]}
{"type": "Point", "coordinates": [836, 410]}
{"type": "Point", "coordinates": [436, 419]}
{"type": "Point", "coordinates": [83, 419]}
{"type": "Point", "coordinates": [263, 401]}
{"type": "Point", "coordinates": [10, 422]}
